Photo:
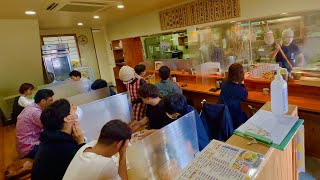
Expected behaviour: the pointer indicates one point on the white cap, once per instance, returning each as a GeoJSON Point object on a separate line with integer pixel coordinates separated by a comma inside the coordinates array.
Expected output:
{"type": "Point", "coordinates": [126, 74]}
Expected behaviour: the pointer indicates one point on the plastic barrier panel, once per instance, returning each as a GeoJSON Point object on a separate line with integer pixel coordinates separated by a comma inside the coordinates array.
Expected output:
{"type": "Point", "coordinates": [93, 116]}
{"type": "Point", "coordinates": [166, 152]}
{"type": "Point", "coordinates": [88, 97]}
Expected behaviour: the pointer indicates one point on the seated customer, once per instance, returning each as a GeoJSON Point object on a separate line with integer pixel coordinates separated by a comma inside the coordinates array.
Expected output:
{"type": "Point", "coordinates": [61, 139]}
{"type": "Point", "coordinates": [20, 102]}
{"type": "Point", "coordinates": [175, 105]}
{"type": "Point", "coordinates": [29, 125]}
{"type": "Point", "coordinates": [93, 160]}
{"type": "Point", "coordinates": [166, 86]}
{"type": "Point", "coordinates": [25, 91]}
{"type": "Point", "coordinates": [155, 117]}
{"type": "Point", "coordinates": [233, 92]}
{"type": "Point", "coordinates": [75, 75]}
{"type": "Point", "coordinates": [140, 69]}
{"type": "Point", "coordinates": [100, 83]}
{"type": "Point", "coordinates": [86, 84]}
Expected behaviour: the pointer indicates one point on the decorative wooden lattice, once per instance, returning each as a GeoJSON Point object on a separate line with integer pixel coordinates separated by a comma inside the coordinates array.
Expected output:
{"type": "Point", "coordinates": [199, 12]}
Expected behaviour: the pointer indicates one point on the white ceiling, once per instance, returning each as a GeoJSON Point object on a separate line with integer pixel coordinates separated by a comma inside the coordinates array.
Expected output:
{"type": "Point", "coordinates": [14, 9]}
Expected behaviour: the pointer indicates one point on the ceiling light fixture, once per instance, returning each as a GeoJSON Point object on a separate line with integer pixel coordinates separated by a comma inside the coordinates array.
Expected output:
{"type": "Point", "coordinates": [282, 14]}
{"type": "Point", "coordinates": [30, 12]}
{"type": "Point", "coordinates": [96, 17]}
{"type": "Point", "coordinates": [80, 24]}
{"type": "Point", "coordinates": [120, 6]}
{"type": "Point", "coordinates": [232, 21]}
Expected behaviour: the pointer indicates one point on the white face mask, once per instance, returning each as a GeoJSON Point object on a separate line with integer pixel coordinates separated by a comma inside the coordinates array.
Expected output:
{"type": "Point", "coordinates": [172, 116]}
{"type": "Point", "coordinates": [79, 112]}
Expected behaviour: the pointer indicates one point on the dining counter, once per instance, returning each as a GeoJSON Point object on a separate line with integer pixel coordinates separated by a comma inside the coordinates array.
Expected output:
{"type": "Point", "coordinates": [306, 98]}
{"type": "Point", "coordinates": [277, 164]}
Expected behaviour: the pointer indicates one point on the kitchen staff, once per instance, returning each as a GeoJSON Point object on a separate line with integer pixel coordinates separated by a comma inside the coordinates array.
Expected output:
{"type": "Point", "coordinates": [290, 50]}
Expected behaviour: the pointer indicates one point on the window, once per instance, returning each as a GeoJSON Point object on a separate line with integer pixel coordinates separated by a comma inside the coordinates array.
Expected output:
{"type": "Point", "coordinates": [65, 39]}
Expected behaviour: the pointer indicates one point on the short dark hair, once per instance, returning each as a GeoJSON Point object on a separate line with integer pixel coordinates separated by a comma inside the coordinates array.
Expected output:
{"type": "Point", "coordinates": [236, 73]}
{"type": "Point", "coordinates": [148, 90]}
{"type": "Point", "coordinates": [24, 87]}
{"type": "Point", "coordinates": [114, 131]}
{"type": "Point", "coordinates": [75, 73]}
{"type": "Point", "coordinates": [98, 84]}
{"type": "Point", "coordinates": [173, 103]}
{"type": "Point", "coordinates": [43, 94]}
{"type": "Point", "coordinates": [53, 116]}
{"type": "Point", "coordinates": [139, 68]}
{"type": "Point", "coordinates": [164, 72]}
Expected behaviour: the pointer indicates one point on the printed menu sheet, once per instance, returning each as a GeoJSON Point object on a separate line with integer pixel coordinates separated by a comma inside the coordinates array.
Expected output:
{"type": "Point", "coordinates": [221, 161]}
{"type": "Point", "coordinates": [269, 125]}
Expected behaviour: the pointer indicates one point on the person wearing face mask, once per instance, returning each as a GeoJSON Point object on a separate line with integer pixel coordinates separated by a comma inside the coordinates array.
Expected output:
{"type": "Point", "coordinates": [291, 50]}
{"type": "Point", "coordinates": [61, 139]}
{"type": "Point", "coordinates": [175, 106]}
{"type": "Point", "coordinates": [133, 82]}
{"type": "Point", "coordinates": [140, 69]}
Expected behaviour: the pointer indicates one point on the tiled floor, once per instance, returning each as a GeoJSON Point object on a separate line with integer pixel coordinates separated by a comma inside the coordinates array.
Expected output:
{"type": "Point", "coordinates": [313, 166]}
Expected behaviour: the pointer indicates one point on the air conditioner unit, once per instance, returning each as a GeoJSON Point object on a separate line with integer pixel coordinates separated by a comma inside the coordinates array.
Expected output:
{"type": "Point", "coordinates": [79, 5]}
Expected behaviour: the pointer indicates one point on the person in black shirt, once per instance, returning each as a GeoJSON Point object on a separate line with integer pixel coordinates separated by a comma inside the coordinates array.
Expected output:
{"type": "Point", "coordinates": [155, 117]}
{"type": "Point", "coordinates": [60, 140]}
{"type": "Point", "coordinates": [291, 50]}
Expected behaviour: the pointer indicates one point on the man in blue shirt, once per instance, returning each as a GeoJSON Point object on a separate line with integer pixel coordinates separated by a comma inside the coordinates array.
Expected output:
{"type": "Point", "coordinates": [166, 86]}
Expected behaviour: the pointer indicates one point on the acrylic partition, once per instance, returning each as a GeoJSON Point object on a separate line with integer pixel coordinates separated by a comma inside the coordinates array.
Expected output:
{"type": "Point", "coordinates": [57, 83]}
{"type": "Point", "coordinates": [90, 96]}
{"type": "Point", "coordinates": [68, 89]}
{"type": "Point", "coordinates": [165, 153]}
{"type": "Point", "coordinates": [93, 116]}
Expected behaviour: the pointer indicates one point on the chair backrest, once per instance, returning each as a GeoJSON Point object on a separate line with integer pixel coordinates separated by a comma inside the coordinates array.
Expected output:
{"type": "Point", "coordinates": [16, 109]}
{"type": "Point", "coordinates": [217, 121]}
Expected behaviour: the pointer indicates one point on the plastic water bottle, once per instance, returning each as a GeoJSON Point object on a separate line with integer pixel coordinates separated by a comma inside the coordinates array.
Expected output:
{"type": "Point", "coordinates": [279, 95]}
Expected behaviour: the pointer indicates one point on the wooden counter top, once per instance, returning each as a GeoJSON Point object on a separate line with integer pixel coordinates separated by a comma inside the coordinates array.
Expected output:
{"type": "Point", "coordinates": [304, 103]}
{"type": "Point", "coordinates": [279, 164]}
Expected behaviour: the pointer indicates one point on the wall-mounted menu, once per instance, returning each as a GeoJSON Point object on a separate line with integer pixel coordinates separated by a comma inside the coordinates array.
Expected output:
{"type": "Point", "coordinates": [198, 12]}
{"type": "Point", "coordinates": [220, 161]}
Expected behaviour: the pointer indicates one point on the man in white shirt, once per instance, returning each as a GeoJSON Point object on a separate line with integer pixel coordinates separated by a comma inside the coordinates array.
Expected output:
{"type": "Point", "coordinates": [81, 83]}
{"type": "Point", "coordinates": [93, 161]}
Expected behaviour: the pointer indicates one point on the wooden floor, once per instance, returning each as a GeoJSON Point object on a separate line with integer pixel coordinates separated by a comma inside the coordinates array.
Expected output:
{"type": "Point", "coordinates": [8, 153]}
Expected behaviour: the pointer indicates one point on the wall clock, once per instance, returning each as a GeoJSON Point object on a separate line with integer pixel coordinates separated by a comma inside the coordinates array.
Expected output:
{"type": "Point", "coordinates": [82, 39]}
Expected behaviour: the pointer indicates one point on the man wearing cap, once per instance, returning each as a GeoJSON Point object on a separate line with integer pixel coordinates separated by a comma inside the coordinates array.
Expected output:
{"type": "Point", "coordinates": [133, 82]}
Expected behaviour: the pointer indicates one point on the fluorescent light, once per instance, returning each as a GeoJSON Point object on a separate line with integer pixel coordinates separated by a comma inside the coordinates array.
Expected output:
{"type": "Point", "coordinates": [232, 21]}
{"type": "Point", "coordinates": [96, 17]}
{"type": "Point", "coordinates": [282, 14]}
{"type": "Point", "coordinates": [80, 24]}
{"type": "Point", "coordinates": [30, 12]}
{"type": "Point", "coordinates": [120, 6]}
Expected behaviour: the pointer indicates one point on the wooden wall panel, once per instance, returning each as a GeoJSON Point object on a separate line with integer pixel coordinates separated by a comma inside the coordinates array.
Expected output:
{"type": "Point", "coordinates": [132, 50]}
{"type": "Point", "coordinates": [198, 12]}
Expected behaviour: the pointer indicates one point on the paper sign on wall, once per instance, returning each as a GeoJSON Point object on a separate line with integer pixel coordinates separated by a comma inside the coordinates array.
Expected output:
{"type": "Point", "coordinates": [192, 34]}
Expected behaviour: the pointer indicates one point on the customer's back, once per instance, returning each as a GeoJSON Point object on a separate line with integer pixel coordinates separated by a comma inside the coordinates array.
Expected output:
{"type": "Point", "coordinates": [58, 146]}
{"type": "Point", "coordinates": [166, 86]}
